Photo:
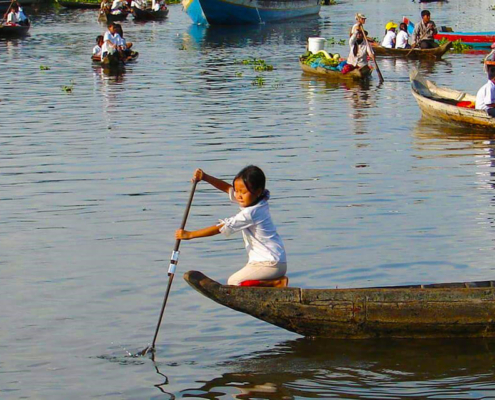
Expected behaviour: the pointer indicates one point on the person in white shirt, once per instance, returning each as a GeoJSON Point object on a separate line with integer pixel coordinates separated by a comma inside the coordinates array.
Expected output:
{"type": "Point", "coordinates": [110, 41]}
{"type": "Point", "coordinates": [402, 40]}
{"type": "Point", "coordinates": [360, 21]}
{"type": "Point", "coordinates": [389, 39]}
{"type": "Point", "coordinates": [267, 261]}
{"type": "Point", "coordinates": [141, 4]}
{"type": "Point", "coordinates": [118, 7]}
{"type": "Point", "coordinates": [97, 48]}
{"type": "Point", "coordinates": [158, 5]}
{"type": "Point", "coordinates": [13, 16]}
{"type": "Point", "coordinates": [360, 50]}
{"type": "Point", "coordinates": [485, 98]}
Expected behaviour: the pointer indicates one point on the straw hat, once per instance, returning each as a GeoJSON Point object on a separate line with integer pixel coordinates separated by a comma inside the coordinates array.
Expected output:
{"type": "Point", "coordinates": [360, 16]}
{"type": "Point", "coordinates": [390, 25]}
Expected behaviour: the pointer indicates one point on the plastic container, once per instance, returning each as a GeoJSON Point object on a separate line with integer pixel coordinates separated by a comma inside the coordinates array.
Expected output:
{"type": "Point", "coordinates": [315, 44]}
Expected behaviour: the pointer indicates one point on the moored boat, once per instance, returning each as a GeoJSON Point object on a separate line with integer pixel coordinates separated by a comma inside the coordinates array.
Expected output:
{"type": "Point", "coordinates": [420, 311]}
{"type": "Point", "coordinates": [445, 104]}
{"type": "Point", "coordinates": [355, 75]}
{"type": "Point", "coordinates": [14, 30]}
{"type": "Point", "coordinates": [109, 17]}
{"type": "Point", "coordinates": [79, 4]}
{"type": "Point", "coordinates": [238, 12]}
{"type": "Point", "coordinates": [415, 53]}
{"type": "Point", "coordinates": [149, 15]}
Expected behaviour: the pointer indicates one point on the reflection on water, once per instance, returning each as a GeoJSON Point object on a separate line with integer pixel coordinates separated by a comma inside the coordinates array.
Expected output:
{"type": "Point", "coordinates": [306, 368]}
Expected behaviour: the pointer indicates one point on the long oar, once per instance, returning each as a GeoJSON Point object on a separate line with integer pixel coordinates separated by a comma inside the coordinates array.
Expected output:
{"type": "Point", "coordinates": [380, 76]}
{"type": "Point", "coordinates": [171, 269]}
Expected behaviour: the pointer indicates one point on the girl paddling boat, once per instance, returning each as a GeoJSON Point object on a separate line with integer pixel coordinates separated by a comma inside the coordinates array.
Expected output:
{"type": "Point", "coordinates": [267, 262]}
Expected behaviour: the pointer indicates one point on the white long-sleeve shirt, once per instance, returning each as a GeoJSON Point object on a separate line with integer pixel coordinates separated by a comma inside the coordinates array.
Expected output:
{"type": "Point", "coordinates": [361, 58]}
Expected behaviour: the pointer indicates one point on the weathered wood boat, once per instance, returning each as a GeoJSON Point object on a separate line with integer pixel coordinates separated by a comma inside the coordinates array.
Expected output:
{"type": "Point", "coordinates": [239, 12]}
{"type": "Point", "coordinates": [149, 15]}
{"type": "Point", "coordinates": [79, 4]}
{"type": "Point", "coordinates": [109, 17]}
{"type": "Point", "coordinates": [419, 311]}
{"type": "Point", "coordinates": [113, 61]}
{"type": "Point", "coordinates": [442, 104]}
{"type": "Point", "coordinates": [415, 53]}
{"type": "Point", "coordinates": [10, 31]}
{"type": "Point", "coordinates": [473, 39]}
{"type": "Point", "coordinates": [355, 75]}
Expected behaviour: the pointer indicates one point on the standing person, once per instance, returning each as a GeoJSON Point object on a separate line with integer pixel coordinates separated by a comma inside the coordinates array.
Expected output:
{"type": "Point", "coordinates": [485, 98]}
{"type": "Point", "coordinates": [360, 21]}
{"type": "Point", "coordinates": [424, 31]}
{"type": "Point", "coordinates": [360, 50]}
{"type": "Point", "coordinates": [390, 38]}
{"type": "Point", "coordinates": [402, 40]}
{"type": "Point", "coordinates": [266, 253]}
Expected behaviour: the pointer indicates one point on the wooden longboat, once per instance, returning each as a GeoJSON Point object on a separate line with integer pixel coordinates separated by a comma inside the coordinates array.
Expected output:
{"type": "Point", "coordinates": [149, 15]}
{"type": "Point", "coordinates": [437, 52]}
{"type": "Point", "coordinates": [355, 75]}
{"type": "Point", "coordinates": [112, 61]}
{"type": "Point", "coordinates": [79, 4]}
{"type": "Point", "coordinates": [109, 17]}
{"type": "Point", "coordinates": [441, 104]}
{"type": "Point", "coordinates": [419, 311]}
{"type": "Point", "coordinates": [14, 30]}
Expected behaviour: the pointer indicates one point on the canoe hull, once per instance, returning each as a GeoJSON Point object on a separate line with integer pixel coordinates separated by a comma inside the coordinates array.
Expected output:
{"type": "Point", "coordinates": [355, 75]}
{"type": "Point", "coordinates": [435, 53]}
{"type": "Point", "coordinates": [13, 31]}
{"type": "Point", "coordinates": [474, 39]}
{"type": "Point", "coordinates": [77, 4]}
{"type": "Point", "coordinates": [437, 110]}
{"type": "Point", "coordinates": [148, 15]}
{"type": "Point", "coordinates": [403, 312]}
{"type": "Point", "coordinates": [238, 12]}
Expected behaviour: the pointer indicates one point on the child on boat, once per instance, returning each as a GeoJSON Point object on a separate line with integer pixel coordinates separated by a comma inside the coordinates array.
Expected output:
{"type": "Point", "coordinates": [13, 16]}
{"type": "Point", "coordinates": [402, 39]}
{"type": "Point", "coordinates": [485, 98]}
{"type": "Point", "coordinates": [390, 37]}
{"type": "Point", "coordinates": [97, 48]}
{"type": "Point", "coordinates": [266, 253]}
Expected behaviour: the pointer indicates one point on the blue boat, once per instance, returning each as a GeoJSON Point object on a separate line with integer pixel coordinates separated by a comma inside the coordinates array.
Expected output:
{"type": "Point", "coordinates": [239, 12]}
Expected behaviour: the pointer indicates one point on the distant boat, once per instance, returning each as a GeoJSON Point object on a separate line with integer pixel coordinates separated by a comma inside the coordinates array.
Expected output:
{"type": "Point", "coordinates": [79, 3]}
{"type": "Point", "coordinates": [473, 39]}
{"type": "Point", "coordinates": [149, 15]}
{"type": "Point", "coordinates": [238, 12]}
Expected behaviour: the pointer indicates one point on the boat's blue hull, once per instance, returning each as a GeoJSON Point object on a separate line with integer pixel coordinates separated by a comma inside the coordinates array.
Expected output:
{"type": "Point", "coordinates": [235, 12]}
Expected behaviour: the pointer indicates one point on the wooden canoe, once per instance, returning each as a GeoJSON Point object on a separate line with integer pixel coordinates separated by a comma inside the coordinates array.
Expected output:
{"type": "Point", "coordinates": [440, 104]}
{"type": "Point", "coordinates": [111, 60]}
{"type": "Point", "coordinates": [355, 75]}
{"type": "Point", "coordinates": [421, 311]}
{"type": "Point", "coordinates": [13, 30]}
{"type": "Point", "coordinates": [109, 17]}
{"type": "Point", "coordinates": [437, 52]}
{"type": "Point", "coordinates": [149, 15]}
{"type": "Point", "coordinates": [79, 4]}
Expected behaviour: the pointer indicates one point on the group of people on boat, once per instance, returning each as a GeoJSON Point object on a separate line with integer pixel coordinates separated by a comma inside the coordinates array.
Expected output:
{"type": "Point", "coordinates": [15, 16]}
{"type": "Point", "coordinates": [156, 5]}
{"type": "Point", "coordinates": [112, 43]}
{"type": "Point", "coordinates": [117, 7]}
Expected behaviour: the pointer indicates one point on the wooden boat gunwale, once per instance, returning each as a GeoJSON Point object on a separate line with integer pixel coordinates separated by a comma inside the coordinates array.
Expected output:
{"type": "Point", "coordinates": [419, 311]}
{"type": "Point", "coordinates": [437, 52]}
{"type": "Point", "coordinates": [355, 75]}
{"type": "Point", "coordinates": [149, 15]}
{"type": "Point", "coordinates": [434, 108]}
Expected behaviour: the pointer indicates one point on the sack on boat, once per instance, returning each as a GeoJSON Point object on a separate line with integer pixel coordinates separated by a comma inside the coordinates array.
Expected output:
{"type": "Point", "coordinates": [348, 68]}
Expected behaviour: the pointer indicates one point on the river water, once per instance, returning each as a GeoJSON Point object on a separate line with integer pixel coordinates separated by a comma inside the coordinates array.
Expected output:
{"type": "Point", "coordinates": [94, 180]}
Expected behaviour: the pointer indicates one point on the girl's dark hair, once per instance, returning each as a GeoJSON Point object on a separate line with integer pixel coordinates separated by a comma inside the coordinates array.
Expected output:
{"type": "Point", "coordinates": [403, 26]}
{"type": "Point", "coordinates": [254, 179]}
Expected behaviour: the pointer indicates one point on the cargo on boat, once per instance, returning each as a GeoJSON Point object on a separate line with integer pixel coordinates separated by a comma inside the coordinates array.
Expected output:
{"type": "Point", "coordinates": [421, 311]}
{"type": "Point", "coordinates": [355, 75]}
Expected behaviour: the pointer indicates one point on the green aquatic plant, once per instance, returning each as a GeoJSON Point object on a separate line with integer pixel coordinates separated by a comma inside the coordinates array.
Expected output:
{"type": "Point", "coordinates": [258, 81]}
{"type": "Point", "coordinates": [332, 41]}
{"type": "Point", "coordinates": [259, 65]}
{"type": "Point", "coordinates": [459, 47]}
{"type": "Point", "coordinates": [45, 68]}
{"type": "Point", "coordinates": [68, 88]}
{"type": "Point", "coordinates": [238, 74]}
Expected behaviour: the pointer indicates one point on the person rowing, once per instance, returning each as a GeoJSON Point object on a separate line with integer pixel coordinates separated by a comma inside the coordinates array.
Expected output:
{"type": "Point", "coordinates": [424, 32]}
{"type": "Point", "coordinates": [359, 52]}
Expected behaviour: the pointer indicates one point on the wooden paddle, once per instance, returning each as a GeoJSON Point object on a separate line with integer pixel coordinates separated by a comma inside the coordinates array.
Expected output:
{"type": "Point", "coordinates": [174, 260]}
{"type": "Point", "coordinates": [380, 76]}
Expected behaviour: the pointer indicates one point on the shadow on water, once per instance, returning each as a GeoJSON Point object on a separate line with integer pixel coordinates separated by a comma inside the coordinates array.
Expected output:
{"type": "Point", "coordinates": [306, 368]}
{"type": "Point", "coordinates": [296, 31]}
